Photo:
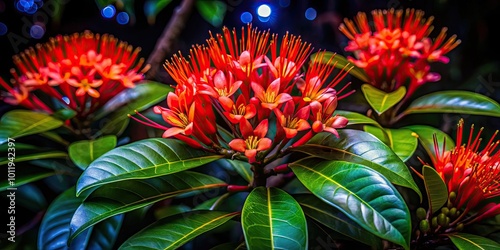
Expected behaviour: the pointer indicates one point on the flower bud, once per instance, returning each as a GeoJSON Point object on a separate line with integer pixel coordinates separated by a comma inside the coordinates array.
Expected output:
{"type": "Point", "coordinates": [452, 196]}
{"type": "Point", "coordinates": [460, 227]}
{"type": "Point", "coordinates": [421, 213]}
{"type": "Point", "coordinates": [434, 222]}
{"type": "Point", "coordinates": [453, 212]}
{"type": "Point", "coordinates": [424, 226]}
{"type": "Point", "coordinates": [441, 219]}
{"type": "Point", "coordinates": [445, 211]}
{"type": "Point", "coordinates": [237, 188]}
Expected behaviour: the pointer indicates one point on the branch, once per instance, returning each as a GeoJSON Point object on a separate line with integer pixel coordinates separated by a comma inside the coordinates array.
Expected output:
{"type": "Point", "coordinates": [170, 33]}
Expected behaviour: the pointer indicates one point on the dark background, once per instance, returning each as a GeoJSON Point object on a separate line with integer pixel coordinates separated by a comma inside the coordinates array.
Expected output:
{"type": "Point", "coordinates": [474, 64]}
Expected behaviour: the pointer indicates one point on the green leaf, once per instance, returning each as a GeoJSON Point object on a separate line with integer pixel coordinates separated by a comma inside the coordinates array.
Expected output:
{"type": "Point", "coordinates": [402, 141]}
{"type": "Point", "coordinates": [25, 174]}
{"type": "Point", "coordinates": [340, 62]}
{"type": "Point", "coordinates": [170, 210]}
{"type": "Point", "coordinates": [175, 231]}
{"type": "Point", "coordinates": [435, 187]}
{"type": "Point", "coordinates": [356, 118]}
{"type": "Point", "coordinates": [54, 229]}
{"type": "Point", "coordinates": [35, 156]}
{"type": "Point", "coordinates": [426, 137]}
{"type": "Point", "coordinates": [363, 148]}
{"type": "Point", "coordinates": [104, 234]}
{"type": "Point", "coordinates": [153, 7]}
{"type": "Point", "coordinates": [272, 219]}
{"type": "Point", "coordinates": [82, 153]}
{"type": "Point", "coordinates": [381, 101]}
{"type": "Point", "coordinates": [121, 197]}
{"type": "Point", "coordinates": [18, 123]}
{"type": "Point", "coordinates": [140, 160]}
{"type": "Point", "coordinates": [362, 194]}
{"type": "Point", "coordinates": [454, 101]}
{"type": "Point", "coordinates": [139, 98]}
{"type": "Point", "coordinates": [465, 241]}
{"type": "Point", "coordinates": [212, 11]}
{"type": "Point", "coordinates": [336, 220]}
{"type": "Point", "coordinates": [241, 167]}
{"type": "Point", "coordinates": [64, 114]}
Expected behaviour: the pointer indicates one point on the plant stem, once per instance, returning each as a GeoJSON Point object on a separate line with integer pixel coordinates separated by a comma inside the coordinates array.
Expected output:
{"type": "Point", "coordinates": [259, 177]}
{"type": "Point", "coordinates": [170, 33]}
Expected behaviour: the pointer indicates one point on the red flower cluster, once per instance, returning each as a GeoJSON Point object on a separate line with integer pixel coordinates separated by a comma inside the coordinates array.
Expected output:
{"type": "Point", "coordinates": [398, 50]}
{"type": "Point", "coordinates": [236, 81]}
{"type": "Point", "coordinates": [81, 71]}
{"type": "Point", "coordinates": [472, 175]}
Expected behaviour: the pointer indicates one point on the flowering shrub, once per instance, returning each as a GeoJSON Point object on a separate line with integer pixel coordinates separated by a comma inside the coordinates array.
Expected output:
{"type": "Point", "coordinates": [397, 51]}
{"type": "Point", "coordinates": [80, 71]}
{"type": "Point", "coordinates": [247, 89]}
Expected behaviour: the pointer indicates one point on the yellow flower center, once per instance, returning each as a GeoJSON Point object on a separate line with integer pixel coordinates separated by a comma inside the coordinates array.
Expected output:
{"type": "Point", "coordinates": [252, 142]}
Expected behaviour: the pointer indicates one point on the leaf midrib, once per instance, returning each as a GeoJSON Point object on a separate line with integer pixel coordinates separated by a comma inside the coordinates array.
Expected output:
{"type": "Point", "coordinates": [203, 225]}
{"type": "Point", "coordinates": [471, 242]}
{"type": "Point", "coordinates": [116, 178]}
{"type": "Point", "coordinates": [20, 132]}
{"type": "Point", "coordinates": [357, 197]}
{"type": "Point", "coordinates": [103, 216]}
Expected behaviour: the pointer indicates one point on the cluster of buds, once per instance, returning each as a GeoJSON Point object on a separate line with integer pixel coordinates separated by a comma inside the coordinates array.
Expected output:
{"type": "Point", "coordinates": [81, 71]}
{"type": "Point", "coordinates": [472, 177]}
{"type": "Point", "coordinates": [249, 85]}
{"type": "Point", "coordinates": [398, 51]}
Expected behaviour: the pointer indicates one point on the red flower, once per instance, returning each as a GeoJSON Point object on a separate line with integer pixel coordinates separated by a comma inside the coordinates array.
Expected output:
{"type": "Point", "coordinates": [473, 175]}
{"type": "Point", "coordinates": [271, 97]}
{"type": "Point", "coordinates": [236, 112]}
{"type": "Point", "coordinates": [325, 120]}
{"type": "Point", "coordinates": [85, 70]}
{"type": "Point", "coordinates": [234, 78]}
{"type": "Point", "coordinates": [397, 50]}
{"type": "Point", "coordinates": [254, 141]}
{"type": "Point", "coordinates": [292, 122]}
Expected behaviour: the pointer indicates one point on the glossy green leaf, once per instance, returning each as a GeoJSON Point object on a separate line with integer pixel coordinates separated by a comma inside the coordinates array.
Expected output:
{"type": "Point", "coordinates": [141, 97]}
{"type": "Point", "coordinates": [64, 114]}
{"type": "Point", "coordinates": [465, 241]}
{"type": "Point", "coordinates": [121, 197]}
{"type": "Point", "coordinates": [104, 234]}
{"type": "Point", "coordinates": [272, 219]}
{"type": "Point", "coordinates": [362, 194]}
{"type": "Point", "coordinates": [153, 7]}
{"type": "Point", "coordinates": [82, 153]}
{"type": "Point", "coordinates": [363, 148]}
{"type": "Point", "coordinates": [356, 118]}
{"type": "Point", "coordinates": [170, 210]}
{"type": "Point", "coordinates": [140, 160]}
{"type": "Point", "coordinates": [336, 220]}
{"type": "Point", "coordinates": [381, 101]}
{"type": "Point", "coordinates": [454, 101]}
{"type": "Point", "coordinates": [175, 231]}
{"type": "Point", "coordinates": [426, 137]}
{"type": "Point", "coordinates": [18, 123]}
{"type": "Point", "coordinates": [54, 229]}
{"type": "Point", "coordinates": [340, 62]}
{"type": "Point", "coordinates": [54, 136]}
{"type": "Point", "coordinates": [35, 156]}
{"type": "Point", "coordinates": [241, 167]}
{"type": "Point", "coordinates": [212, 11]}
{"type": "Point", "coordinates": [436, 189]}
{"type": "Point", "coordinates": [24, 174]}
{"type": "Point", "coordinates": [402, 141]}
